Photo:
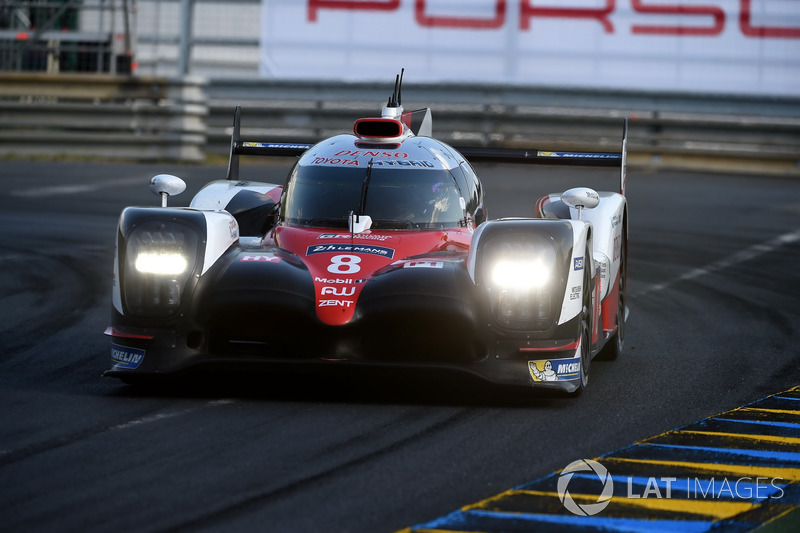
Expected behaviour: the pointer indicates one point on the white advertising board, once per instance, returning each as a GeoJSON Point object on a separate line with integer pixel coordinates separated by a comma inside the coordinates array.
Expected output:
{"type": "Point", "coordinates": [705, 46]}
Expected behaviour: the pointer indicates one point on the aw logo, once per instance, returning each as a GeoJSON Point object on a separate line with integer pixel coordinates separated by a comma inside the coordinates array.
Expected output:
{"type": "Point", "coordinates": [585, 465]}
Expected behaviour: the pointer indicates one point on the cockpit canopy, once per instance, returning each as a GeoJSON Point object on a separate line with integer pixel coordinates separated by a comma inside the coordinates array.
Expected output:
{"type": "Point", "coordinates": [395, 197]}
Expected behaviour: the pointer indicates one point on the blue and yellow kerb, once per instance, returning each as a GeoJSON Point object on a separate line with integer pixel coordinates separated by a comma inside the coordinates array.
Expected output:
{"type": "Point", "coordinates": [736, 471]}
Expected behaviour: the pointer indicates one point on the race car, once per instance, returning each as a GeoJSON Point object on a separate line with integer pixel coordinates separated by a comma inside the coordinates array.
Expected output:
{"type": "Point", "coordinates": [375, 252]}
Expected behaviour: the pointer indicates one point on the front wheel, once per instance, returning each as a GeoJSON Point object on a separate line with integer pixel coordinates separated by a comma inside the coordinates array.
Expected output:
{"type": "Point", "coordinates": [585, 347]}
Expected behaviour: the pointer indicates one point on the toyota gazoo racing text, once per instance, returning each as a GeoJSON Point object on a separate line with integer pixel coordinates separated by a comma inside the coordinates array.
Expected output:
{"type": "Point", "coordinates": [376, 251]}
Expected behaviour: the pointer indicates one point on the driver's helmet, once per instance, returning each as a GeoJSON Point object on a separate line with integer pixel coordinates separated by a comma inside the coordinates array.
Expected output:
{"type": "Point", "coordinates": [425, 203]}
{"type": "Point", "coordinates": [444, 200]}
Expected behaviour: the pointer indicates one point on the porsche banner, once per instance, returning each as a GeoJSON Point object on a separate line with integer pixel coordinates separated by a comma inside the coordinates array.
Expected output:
{"type": "Point", "coordinates": [709, 46]}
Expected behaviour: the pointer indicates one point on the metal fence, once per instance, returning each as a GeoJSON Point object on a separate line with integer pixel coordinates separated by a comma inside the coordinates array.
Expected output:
{"type": "Point", "coordinates": [148, 37]}
{"type": "Point", "coordinates": [206, 38]}
{"type": "Point", "coordinates": [57, 36]}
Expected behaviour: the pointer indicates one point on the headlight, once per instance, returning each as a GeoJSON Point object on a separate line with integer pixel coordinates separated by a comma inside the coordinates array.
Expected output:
{"type": "Point", "coordinates": [159, 260]}
{"type": "Point", "coordinates": [520, 275]}
{"type": "Point", "coordinates": [163, 263]}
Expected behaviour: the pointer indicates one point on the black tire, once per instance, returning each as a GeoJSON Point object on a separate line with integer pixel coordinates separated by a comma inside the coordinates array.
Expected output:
{"type": "Point", "coordinates": [586, 331]}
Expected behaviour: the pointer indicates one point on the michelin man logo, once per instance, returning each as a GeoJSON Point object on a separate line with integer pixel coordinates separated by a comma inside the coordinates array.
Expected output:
{"type": "Point", "coordinates": [586, 509]}
{"type": "Point", "coordinates": [548, 374]}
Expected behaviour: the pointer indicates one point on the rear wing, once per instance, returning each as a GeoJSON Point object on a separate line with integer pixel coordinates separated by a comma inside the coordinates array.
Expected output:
{"type": "Point", "coordinates": [507, 155]}
{"type": "Point", "coordinates": [239, 147]}
{"type": "Point", "coordinates": [592, 159]}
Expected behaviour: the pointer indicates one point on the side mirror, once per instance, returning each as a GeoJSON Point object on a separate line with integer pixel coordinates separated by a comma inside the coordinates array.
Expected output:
{"type": "Point", "coordinates": [580, 198]}
{"type": "Point", "coordinates": [167, 185]}
{"type": "Point", "coordinates": [359, 223]}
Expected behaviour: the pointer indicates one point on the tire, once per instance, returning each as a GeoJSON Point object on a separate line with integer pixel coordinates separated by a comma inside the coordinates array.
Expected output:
{"type": "Point", "coordinates": [586, 332]}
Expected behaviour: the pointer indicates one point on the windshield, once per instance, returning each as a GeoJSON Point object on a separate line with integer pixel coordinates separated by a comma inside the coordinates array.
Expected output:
{"type": "Point", "coordinates": [396, 198]}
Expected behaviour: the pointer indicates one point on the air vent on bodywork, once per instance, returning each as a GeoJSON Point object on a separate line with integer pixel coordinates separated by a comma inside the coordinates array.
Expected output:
{"type": "Point", "coordinates": [378, 128]}
{"type": "Point", "coordinates": [377, 146]}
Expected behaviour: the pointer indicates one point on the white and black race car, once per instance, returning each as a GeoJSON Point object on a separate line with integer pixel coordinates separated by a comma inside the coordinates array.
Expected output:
{"type": "Point", "coordinates": [376, 251]}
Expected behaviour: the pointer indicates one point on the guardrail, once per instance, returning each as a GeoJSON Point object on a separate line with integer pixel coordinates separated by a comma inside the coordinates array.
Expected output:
{"type": "Point", "coordinates": [103, 116]}
{"type": "Point", "coordinates": [730, 133]}
{"type": "Point", "coordinates": [156, 118]}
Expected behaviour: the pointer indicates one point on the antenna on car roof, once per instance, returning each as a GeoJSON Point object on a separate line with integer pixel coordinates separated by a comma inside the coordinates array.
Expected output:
{"type": "Point", "coordinates": [400, 87]}
{"type": "Point", "coordinates": [394, 109]}
{"type": "Point", "coordinates": [396, 99]}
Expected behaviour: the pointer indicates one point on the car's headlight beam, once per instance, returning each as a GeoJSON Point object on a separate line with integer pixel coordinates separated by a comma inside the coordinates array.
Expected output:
{"type": "Point", "coordinates": [520, 274]}
{"type": "Point", "coordinates": [161, 263]}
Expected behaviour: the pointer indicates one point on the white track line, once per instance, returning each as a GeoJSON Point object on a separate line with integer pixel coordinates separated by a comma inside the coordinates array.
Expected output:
{"type": "Point", "coordinates": [78, 188]}
{"type": "Point", "coordinates": [161, 416]}
{"type": "Point", "coordinates": [739, 257]}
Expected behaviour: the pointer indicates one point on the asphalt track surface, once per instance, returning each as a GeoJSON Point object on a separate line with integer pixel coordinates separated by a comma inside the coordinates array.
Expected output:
{"type": "Point", "coordinates": [714, 284]}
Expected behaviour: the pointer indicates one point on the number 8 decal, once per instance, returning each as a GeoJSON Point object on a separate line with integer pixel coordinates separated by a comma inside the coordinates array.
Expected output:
{"type": "Point", "coordinates": [344, 264]}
